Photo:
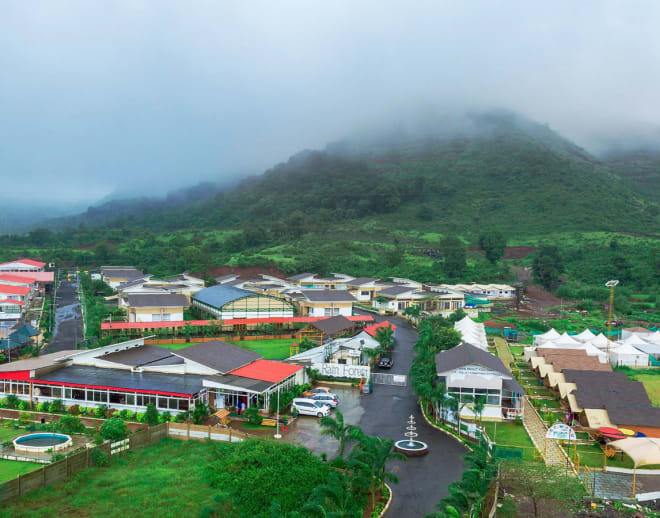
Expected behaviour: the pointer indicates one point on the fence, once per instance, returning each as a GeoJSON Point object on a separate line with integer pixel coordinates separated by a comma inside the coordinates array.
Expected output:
{"type": "Point", "coordinates": [199, 339]}
{"type": "Point", "coordinates": [190, 431]}
{"type": "Point", "coordinates": [73, 464]}
{"type": "Point", "coordinates": [380, 378]}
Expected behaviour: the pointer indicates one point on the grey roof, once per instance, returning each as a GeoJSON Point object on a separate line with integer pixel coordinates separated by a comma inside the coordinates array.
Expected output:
{"type": "Point", "coordinates": [218, 355]}
{"type": "Point", "coordinates": [361, 280]}
{"type": "Point", "coordinates": [634, 415]}
{"type": "Point", "coordinates": [396, 290]}
{"type": "Point", "coordinates": [218, 296]}
{"type": "Point", "coordinates": [142, 355]}
{"type": "Point", "coordinates": [157, 300]}
{"type": "Point", "coordinates": [121, 271]}
{"type": "Point", "coordinates": [134, 282]}
{"type": "Point", "coordinates": [241, 382]}
{"type": "Point", "coordinates": [45, 360]}
{"type": "Point", "coordinates": [594, 378]}
{"type": "Point", "coordinates": [512, 386]}
{"type": "Point", "coordinates": [300, 276]}
{"type": "Point", "coordinates": [648, 348]}
{"type": "Point", "coordinates": [468, 354]}
{"type": "Point", "coordinates": [328, 296]}
{"type": "Point", "coordinates": [611, 393]}
{"type": "Point", "coordinates": [126, 379]}
{"type": "Point", "coordinates": [230, 276]}
{"type": "Point", "coordinates": [333, 325]}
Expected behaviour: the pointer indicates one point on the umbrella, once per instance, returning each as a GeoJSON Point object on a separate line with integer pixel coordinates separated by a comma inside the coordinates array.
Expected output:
{"type": "Point", "coordinates": [611, 433]}
{"type": "Point", "coordinates": [627, 432]}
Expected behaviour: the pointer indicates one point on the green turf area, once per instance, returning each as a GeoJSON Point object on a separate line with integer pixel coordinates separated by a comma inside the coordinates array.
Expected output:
{"type": "Point", "coordinates": [12, 468]}
{"type": "Point", "coordinates": [9, 433]}
{"type": "Point", "coordinates": [511, 435]}
{"type": "Point", "coordinates": [269, 349]}
{"type": "Point", "coordinates": [517, 350]}
{"type": "Point", "coordinates": [650, 379]}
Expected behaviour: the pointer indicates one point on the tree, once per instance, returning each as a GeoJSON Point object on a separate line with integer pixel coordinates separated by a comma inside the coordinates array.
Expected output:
{"type": "Point", "coordinates": [547, 267]}
{"type": "Point", "coordinates": [385, 337]}
{"type": "Point", "coordinates": [338, 429]}
{"type": "Point", "coordinates": [70, 424]}
{"type": "Point", "coordinates": [333, 499]}
{"type": "Point", "coordinates": [113, 429]}
{"type": "Point", "coordinates": [494, 244]}
{"type": "Point", "coordinates": [151, 415]}
{"type": "Point", "coordinates": [478, 407]}
{"type": "Point", "coordinates": [462, 403]}
{"type": "Point", "coordinates": [439, 398]}
{"type": "Point", "coordinates": [394, 256]}
{"type": "Point", "coordinates": [454, 253]}
{"type": "Point", "coordinates": [200, 413]}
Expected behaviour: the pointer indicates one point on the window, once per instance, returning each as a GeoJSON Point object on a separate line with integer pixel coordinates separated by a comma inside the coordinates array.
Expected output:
{"type": "Point", "coordinates": [327, 312]}
{"type": "Point", "coordinates": [493, 397]}
{"type": "Point", "coordinates": [155, 317]}
{"type": "Point", "coordinates": [162, 402]}
{"type": "Point", "coordinates": [166, 317]}
{"type": "Point", "coordinates": [364, 293]}
{"type": "Point", "coordinates": [335, 311]}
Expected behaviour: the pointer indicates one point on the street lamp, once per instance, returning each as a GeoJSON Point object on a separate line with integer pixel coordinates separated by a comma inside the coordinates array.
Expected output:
{"type": "Point", "coordinates": [278, 435]}
{"type": "Point", "coordinates": [610, 285]}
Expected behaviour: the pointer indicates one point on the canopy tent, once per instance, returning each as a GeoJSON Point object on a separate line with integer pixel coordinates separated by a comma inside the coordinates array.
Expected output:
{"type": "Point", "coordinates": [650, 348]}
{"type": "Point", "coordinates": [597, 418]}
{"type": "Point", "coordinates": [585, 336]}
{"type": "Point", "coordinates": [627, 356]}
{"type": "Point", "coordinates": [602, 342]}
{"type": "Point", "coordinates": [592, 350]}
{"type": "Point", "coordinates": [550, 335]}
{"type": "Point", "coordinates": [633, 340]}
{"type": "Point", "coordinates": [565, 340]}
{"type": "Point", "coordinates": [653, 338]}
{"type": "Point", "coordinates": [644, 451]}
{"type": "Point", "coordinates": [472, 332]}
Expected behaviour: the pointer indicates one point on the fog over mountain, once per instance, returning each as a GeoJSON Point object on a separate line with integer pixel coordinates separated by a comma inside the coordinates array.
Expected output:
{"type": "Point", "coordinates": [130, 98]}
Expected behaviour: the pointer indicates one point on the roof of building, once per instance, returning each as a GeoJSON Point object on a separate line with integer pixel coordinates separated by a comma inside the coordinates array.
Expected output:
{"type": "Point", "coordinates": [328, 296]}
{"type": "Point", "coordinates": [11, 277]}
{"type": "Point", "coordinates": [14, 290]}
{"type": "Point", "coordinates": [591, 378]}
{"type": "Point", "coordinates": [240, 382]}
{"type": "Point", "coordinates": [267, 370]}
{"type": "Point", "coordinates": [29, 262]}
{"type": "Point", "coordinates": [218, 355]}
{"type": "Point", "coordinates": [142, 355]}
{"type": "Point", "coordinates": [39, 362]}
{"type": "Point", "coordinates": [613, 393]}
{"type": "Point", "coordinates": [218, 296]}
{"type": "Point", "coordinates": [157, 300]}
{"type": "Point", "coordinates": [12, 301]}
{"type": "Point", "coordinates": [396, 290]}
{"type": "Point", "coordinates": [468, 354]}
{"type": "Point", "coordinates": [373, 329]}
{"type": "Point", "coordinates": [512, 386]}
{"type": "Point", "coordinates": [361, 280]}
{"type": "Point", "coordinates": [124, 379]}
{"type": "Point", "coordinates": [228, 277]}
{"type": "Point", "coordinates": [36, 276]}
{"type": "Point", "coordinates": [301, 276]}
{"type": "Point", "coordinates": [121, 272]}
{"type": "Point", "coordinates": [634, 415]}
{"type": "Point", "coordinates": [334, 325]}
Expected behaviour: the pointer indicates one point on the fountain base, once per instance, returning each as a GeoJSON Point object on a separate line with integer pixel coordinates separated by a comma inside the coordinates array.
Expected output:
{"type": "Point", "coordinates": [417, 449]}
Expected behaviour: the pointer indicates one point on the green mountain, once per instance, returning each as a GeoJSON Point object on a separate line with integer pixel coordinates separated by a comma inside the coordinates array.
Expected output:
{"type": "Point", "coordinates": [639, 168]}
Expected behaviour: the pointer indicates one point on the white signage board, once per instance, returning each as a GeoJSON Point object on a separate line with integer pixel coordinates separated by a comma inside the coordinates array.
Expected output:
{"type": "Point", "coordinates": [560, 431]}
{"type": "Point", "coordinates": [341, 370]}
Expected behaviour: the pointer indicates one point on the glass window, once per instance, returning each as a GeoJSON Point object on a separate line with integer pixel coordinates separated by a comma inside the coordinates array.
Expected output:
{"type": "Point", "coordinates": [162, 402]}
{"type": "Point", "coordinates": [130, 399]}
{"type": "Point", "coordinates": [184, 404]}
{"type": "Point", "coordinates": [155, 317]}
{"type": "Point", "coordinates": [167, 317]}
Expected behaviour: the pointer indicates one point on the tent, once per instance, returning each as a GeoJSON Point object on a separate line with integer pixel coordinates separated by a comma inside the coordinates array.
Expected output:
{"type": "Point", "coordinates": [642, 450]}
{"type": "Point", "coordinates": [550, 335]}
{"type": "Point", "coordinates": [585, 336]}
{"type": "Point", "coordinates": [633, 340]}
{"type": "Point", "coordinates": [653, 338]}
{"type": "Point", "coordinates": [564, 341]}
{"type": "Point", "coordinates": [594, 351]}
{"type": "Point", "coordinates": [650, 348]}
{"type": "Point", "coordinates": [628, 356]}
{"type": "Point", "coordinates": [602, 342]}
{"type": "Point", "coordinates": [472, 332]}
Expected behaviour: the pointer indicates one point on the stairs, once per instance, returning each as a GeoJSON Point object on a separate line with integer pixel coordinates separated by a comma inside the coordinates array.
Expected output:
{"type": "Point", "coordinates": [536, 429]}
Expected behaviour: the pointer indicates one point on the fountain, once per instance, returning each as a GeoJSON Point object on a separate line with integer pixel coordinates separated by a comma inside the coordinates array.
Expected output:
{"type": "Point", "coordinates": [410, 447]}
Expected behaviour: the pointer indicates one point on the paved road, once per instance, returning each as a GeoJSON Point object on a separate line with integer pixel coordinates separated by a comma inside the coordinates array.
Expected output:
{"type": "Point", "coordinates": [68, 319]}
{"type": "Point", "coordinates": [423, 481]}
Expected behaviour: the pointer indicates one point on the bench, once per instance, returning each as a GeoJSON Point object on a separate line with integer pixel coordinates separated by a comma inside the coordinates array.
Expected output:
{"type": "Point", "coordinates": [269, 422]}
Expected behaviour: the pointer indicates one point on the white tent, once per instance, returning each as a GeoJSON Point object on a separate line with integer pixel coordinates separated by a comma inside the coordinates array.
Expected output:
{"type": "Point", "coordinates": [564, 341]}
{"type": "Point", "coordinates": [472, 332]}
{"type": "Point", "coordinates": [550, 335]}
{"type": "Point", "coordinates": [633, 340]}
{"type": "Point", "coordinates": [627, 356]}
{"type": "Point", "coordinates": [585, 336]}
{"type": "Point", "coordinates": [602, 342]}
{"type": "Point", "coordinates": [653, 338]}
{"type": "Point", "coordinates": [594, 351]}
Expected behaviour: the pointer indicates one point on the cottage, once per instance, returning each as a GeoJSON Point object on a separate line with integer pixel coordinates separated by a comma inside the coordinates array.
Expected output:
{"type": "Point", "coordinates": [467, 370]}
{"type": "Point", "coordinates": [311, 281]}
{"type": "Point", "coordinates": [323, 303]}
{"type": "Point", "coordinates": [155, 307]}
{"type": "Point", "coordinates": [113, 276]}
{"type": "Point", "coordinates": [397, 299]}
{"type": "Point", "coordinates": [22, 265]}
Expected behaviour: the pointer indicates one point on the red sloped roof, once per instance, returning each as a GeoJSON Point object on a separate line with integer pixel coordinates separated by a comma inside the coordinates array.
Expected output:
{"type": "Point", "coordinates": [36, 276]}
{"type": "Point", "coordinates": [12, 301]}
{"type": "Point", "coordinates": [267, 370]}
{"type": "Point", "coordinates": [14, 290]}
{"type": "Point", "coordinates": [373, 329]}
{"type": "Point", "coordinates": [29, 262]}
{"type": "Point", "coordinates": [10, 277]}
{"type": "Point", "coordinates": [226, 322]}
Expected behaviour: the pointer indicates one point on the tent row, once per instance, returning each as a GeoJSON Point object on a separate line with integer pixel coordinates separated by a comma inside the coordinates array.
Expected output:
{"type": "Point", "coordinates": [472, 332]}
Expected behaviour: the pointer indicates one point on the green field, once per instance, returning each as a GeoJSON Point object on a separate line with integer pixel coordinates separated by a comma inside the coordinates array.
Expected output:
{"type": "Point", "coordinates": [7, 433]}
{"type": "Point", "coordinates": [12, 468]}
{"type": "Point", "coordinates": [508, 434]}
{"type": "Point", "coordinates": [651, 381]}
{"type": "Point", "coordinates": [270, 349]}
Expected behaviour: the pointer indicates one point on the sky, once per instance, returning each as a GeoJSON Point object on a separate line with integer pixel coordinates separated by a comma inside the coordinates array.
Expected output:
{"type": "Point", "coordinates": [138, 97]}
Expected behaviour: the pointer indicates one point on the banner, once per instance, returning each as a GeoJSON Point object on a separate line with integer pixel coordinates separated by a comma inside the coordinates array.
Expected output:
{"type": "Point", "coordinates": [560, 431]}
{"type": "Point", "coordinates": [341, 370]}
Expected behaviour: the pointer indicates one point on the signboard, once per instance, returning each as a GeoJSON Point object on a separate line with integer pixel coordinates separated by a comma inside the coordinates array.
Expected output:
{"type": "Point", "coordinates": [341, 370]}
{"type": "Point", "coordinates": [475, 370]}
{"type": "Point", "coordinates": [560, 431]}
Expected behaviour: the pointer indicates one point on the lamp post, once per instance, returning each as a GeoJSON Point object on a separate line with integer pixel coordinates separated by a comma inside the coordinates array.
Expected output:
{"type": "Point", "coordinates": [610, 285]}
{"type": "Point", "coordinates": [278, 435]}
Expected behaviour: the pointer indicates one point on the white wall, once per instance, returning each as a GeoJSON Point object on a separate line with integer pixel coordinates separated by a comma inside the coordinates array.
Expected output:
{"type": "Point", "coordinates": [147, 317]}
{"type": "Point", "coordinates": [320, 311]}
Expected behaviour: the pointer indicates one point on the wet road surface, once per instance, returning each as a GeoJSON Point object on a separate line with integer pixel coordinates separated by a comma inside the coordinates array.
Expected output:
{"type": "Point", "coordinates": [423, 481]}
{"type": "Point", "coordinates": [68, 319]}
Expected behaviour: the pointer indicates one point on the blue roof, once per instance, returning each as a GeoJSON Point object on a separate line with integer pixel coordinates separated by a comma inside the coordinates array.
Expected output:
{"type": "Point", "coordinates": [218, 296]}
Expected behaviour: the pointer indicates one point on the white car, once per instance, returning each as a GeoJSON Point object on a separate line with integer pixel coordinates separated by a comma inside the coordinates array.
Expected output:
{"type": "Point", "coordinates": [327, 399]}
{"type": "Point", "coordinates": [306, 406]}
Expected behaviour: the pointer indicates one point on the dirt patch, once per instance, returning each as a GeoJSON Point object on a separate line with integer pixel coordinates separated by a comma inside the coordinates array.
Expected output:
{"type": "Point", "coordinates": [518, 252]}
{"type": "Point", "coordinates": [491, 324]}
{"type": "Point", "coordinates": [537, 300]}
{"type": "Point", "coordinates": [247, 272]}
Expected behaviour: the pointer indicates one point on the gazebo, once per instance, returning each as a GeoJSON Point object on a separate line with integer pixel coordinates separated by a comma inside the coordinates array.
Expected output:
{"type": "Point", "coordinates": [644, 451]}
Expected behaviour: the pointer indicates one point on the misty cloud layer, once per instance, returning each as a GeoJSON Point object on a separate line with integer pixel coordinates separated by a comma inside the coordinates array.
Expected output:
{"type": "Point", "coordinates": [139, 97]}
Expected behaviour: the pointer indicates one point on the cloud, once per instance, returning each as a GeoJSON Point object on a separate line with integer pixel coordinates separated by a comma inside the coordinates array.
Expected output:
{"type": "Point", "coordinates": [140, 97]}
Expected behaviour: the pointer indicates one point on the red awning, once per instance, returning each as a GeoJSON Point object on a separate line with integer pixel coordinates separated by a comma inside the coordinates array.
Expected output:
{"type": "Point", "coordinates": [267, 370]}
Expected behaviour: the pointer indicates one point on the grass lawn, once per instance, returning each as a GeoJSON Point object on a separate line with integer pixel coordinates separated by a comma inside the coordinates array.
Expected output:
{"type": "Point", "coordinates": [517, 350]}
{"type": "Point", "coordinates": [162, 480]}
{"type": "Point", "coordinates": [651, 381]}
{"type": "Point", "coordinates": [269, 349]}
{"type": "Point", "coordinates": [12, 468]}
{"type": "Point", "coordinates": [8, 433]}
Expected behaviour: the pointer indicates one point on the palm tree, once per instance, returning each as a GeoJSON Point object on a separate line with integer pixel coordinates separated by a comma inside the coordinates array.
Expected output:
{"type": "Point", "coordinates": [478, 407]}
{"type": "Point", "coordinates": [464, 401]}
{"type": "Point", "coordinates": [385, 337]}
{"type": "Point", "coordinates": [371, 456]}
{"type": "Point", "coordinates": [439, 399]}
{"type": "Point", "coordinates": [372, 354]}
{"type": "Point", "coordinates": [338, 429]}
{"type": "Point", "coordinates": [452, 404]}
{"type": "Point", "coordinates": [334, 499]}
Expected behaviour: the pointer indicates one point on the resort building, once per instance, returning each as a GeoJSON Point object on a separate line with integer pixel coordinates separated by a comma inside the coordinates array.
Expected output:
{"type": "Point", "coordinates": [310, 281]}
{"type": "Point", "coordinates": [323, 303]}
{"type": "Point", "coordinates": [155, 307]}
{"type": "Point", "coordinates": [113, 276]}
{"type": "Point", "coordinates": [397, 299]}
{"type": "Point", "coordinates": [22, 265]}
{"type": "Point", "coordinates": [467, 370]}
{"type": "Point", "coordinates": [226, 302]}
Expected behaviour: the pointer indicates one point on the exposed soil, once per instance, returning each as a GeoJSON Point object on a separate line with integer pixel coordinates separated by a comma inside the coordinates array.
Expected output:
{"type": "Point", "coordinates": [491, 324]}
{"type": "Point", "coordinates": [537, 299]}
{"type": "Point", "coordinates": [247, 272]}
{"type": "Point", "coordinates": [518, 252]}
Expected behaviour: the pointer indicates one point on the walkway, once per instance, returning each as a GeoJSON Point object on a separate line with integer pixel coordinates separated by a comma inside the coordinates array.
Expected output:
{"type": "Point", "coordinates": [68, 321]}
{"type": "Point", "coordinates": [536, 430]}
{"type": "Point", "coordinates": [503, 351]}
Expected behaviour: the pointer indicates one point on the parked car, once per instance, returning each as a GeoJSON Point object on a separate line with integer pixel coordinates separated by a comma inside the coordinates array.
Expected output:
{"type": "Point", "coordinates": [320, 390]}
{"type": "Point", "coordinates": [328, 399]}
{"type": "Point", "coordinates": [386, 362]}
{"type": "Point", "coordinates": [306, 406]}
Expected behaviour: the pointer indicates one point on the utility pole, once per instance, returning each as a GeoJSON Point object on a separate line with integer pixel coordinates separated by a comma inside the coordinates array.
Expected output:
{"type": "Point", "coordinates": [610, 285]}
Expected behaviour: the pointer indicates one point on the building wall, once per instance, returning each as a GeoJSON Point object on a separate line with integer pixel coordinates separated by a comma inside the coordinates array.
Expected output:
{"type": "Point", "coordinates": [147, 314]}
{"type": "Point", "coordinates": [326, 309]}
{"type": "Point", "coordinates": [256, 306]}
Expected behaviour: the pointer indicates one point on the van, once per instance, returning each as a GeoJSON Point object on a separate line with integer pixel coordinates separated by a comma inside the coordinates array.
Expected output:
{"type": "Point", "coordinates": [306, 406]}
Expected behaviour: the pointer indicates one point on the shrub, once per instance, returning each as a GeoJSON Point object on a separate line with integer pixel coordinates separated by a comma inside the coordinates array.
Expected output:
{"type": "Point", "coordinates": [100, 411]}
{"type": "Point", "coordinates": [3, 402]}
{"type": "Point", "coordinates": [56, 405]}
{"type": "Point", "coordinates": [24, 405]}
{"type": "Point", "coordinates": [151, 415]}
{"type": "Point", "coordinates": [74, 410]}
{"type": "Point", "coordinates": [98, 438]}
{"type": "Point", "coordinates": [139, 417]}
{"type": "Point", "coordinates": [113, 429]}
{"type": "Point", "coordinates": [164, 417]}
{"type": "Point", "coordinates": [253, 416]}
{"type": "Point", "coordinates": [43, 407]}
{"type": "Point", "coordinates": [70, 424]}
{"type": "Point", "coordinates": [200, 413]}
{"type": "Point", "coordinates": [12, 401]}
{"type": "Point", "coordinates": [57, 456]}
{"type": "Point", "coordinates": [24, 418]}
{"type": "Point", "coordinates": [181, 418]}
{"type": "Point", "coordinates": [100, 458]}
{"type": "Point", "coordinates": [110, 412]}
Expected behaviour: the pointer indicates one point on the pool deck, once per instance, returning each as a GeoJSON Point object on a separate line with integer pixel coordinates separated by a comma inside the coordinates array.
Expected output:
{"type": "Point", "coordinates": [8, 453]}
